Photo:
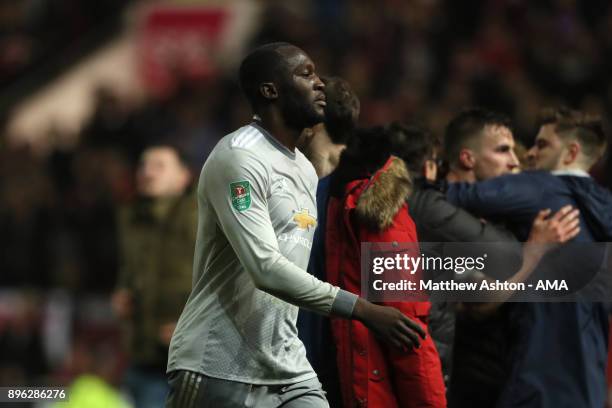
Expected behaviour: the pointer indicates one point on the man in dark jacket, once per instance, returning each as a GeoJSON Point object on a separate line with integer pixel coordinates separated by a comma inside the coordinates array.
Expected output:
{"type": "Point", "coordinates": [157, 235]}
{"type": "Point", "coordinates": [478, 145]}
{"type": "Point", "coordinates": [561, 349]}
{"type": "Point", "coordinates": [439, 221]}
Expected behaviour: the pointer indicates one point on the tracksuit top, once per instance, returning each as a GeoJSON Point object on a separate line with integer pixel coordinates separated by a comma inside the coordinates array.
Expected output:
{"type": "Point", "coordinates": [257, 217]}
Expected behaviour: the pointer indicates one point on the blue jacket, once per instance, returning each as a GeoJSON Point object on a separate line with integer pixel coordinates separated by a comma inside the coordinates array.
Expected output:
{"type": "Point", "coordinates": [516, 199]}
{"type": "Point", "coordinates": [561, 350]}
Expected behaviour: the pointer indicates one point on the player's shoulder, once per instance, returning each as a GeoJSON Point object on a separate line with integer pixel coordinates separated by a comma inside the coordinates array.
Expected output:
{"type": "Point", "coordinates": [532, 181]}
{"type": "Point", "coordinates": [244, 144]}
{"type": "Point", "coordinates": [306, 165]}
{"type": "Point", "coordinates": [248, 138]}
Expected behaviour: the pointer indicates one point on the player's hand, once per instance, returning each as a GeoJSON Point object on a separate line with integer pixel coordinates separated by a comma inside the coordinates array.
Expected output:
{"type": "Point", "coordinates": [561, 227]}
{"type": "Point", "coordinates": [121, 303]}
{"type": "Point", "coordinates": [389, 324]}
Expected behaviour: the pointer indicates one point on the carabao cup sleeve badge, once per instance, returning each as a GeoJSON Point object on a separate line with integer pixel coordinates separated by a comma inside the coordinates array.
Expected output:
{"type": "Point", "coordinates": [240, 192]}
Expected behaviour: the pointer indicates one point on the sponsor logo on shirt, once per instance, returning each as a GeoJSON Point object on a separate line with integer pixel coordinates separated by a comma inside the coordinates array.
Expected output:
{"type": "Point", "coordinates": [240, 193]}
{"type": "Point", "coordinates": [295, 238]}
{"type": "Point", "coordinates": [304, 220]}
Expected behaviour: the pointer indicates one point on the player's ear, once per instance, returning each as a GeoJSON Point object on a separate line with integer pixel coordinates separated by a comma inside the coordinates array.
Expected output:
{"type": "Point", "coordinates": [268, 90]}
{"type": "Point", "coordinates": [573, 150]}
{"type": "Point", "coordinates": [467, 159]}
{"type": "Point", "coordinates": [430, 170]}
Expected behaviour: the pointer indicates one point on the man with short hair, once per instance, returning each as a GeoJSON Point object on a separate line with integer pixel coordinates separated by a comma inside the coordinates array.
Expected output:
{"type": "Point", "coordinates": [478, 145]}
{"type": "Point", "coordinates": [236, 342]}
{"type": "Point", "coordinates": [567, 141]}
{"type": "Point", "coordinates": [156, 234]}
{"type": "Point", "coordinates": [560, 354]}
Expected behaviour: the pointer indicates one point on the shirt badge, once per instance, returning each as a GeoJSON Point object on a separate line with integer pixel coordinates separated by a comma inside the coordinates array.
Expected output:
{"type": "Point", "coordinates": [240, 193]}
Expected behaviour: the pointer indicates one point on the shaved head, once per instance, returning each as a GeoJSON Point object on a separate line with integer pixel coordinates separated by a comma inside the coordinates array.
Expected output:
{"type": "Point", "coordinates": [267, 63]}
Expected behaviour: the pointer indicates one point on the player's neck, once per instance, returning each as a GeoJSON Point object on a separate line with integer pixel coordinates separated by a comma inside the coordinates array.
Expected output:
{"type": "Point", "coordinates": [572, 167]}
{"type": "Point", "coordinates": [458, 176]}
{"type": "Point", "coordinates": [322, 152]}
{"type": "Point", "coordinates": [272, 121]}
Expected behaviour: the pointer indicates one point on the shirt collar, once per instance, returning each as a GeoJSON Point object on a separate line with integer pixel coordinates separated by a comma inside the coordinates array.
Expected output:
{"type": "Point", "coordinates": [570, 172]}
{"type": "Point", "coordinates": [272, 139]}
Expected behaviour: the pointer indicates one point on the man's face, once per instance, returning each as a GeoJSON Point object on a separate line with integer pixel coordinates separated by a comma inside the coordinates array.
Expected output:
{"type": "Point", "coordinates": [301, 95]}
{"type": "Point", "coordinates": [547, 151]}
{"type": "Point", "coordinates": [341, 100]}
{"type": "Point", "coordinates": [161, 173]}
{"type": "Point", "coordinates": [495, 156]}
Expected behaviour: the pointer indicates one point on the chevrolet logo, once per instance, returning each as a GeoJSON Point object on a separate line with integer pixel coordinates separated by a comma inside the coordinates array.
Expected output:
{"type": "Point", "coordinates": [304, 220]}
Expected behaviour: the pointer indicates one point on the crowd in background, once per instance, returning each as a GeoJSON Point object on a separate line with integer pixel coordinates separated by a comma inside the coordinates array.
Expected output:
{"type": "Point", "coordinates": [423, 60]}
{"type": "Point", "coordinates": [34, 32]}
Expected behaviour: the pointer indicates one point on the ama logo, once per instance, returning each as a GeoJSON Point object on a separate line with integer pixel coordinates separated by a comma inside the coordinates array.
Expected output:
{"type": "Point", "coordinates": [552, 285]}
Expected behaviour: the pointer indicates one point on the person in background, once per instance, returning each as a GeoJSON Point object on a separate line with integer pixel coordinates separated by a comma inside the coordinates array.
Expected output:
{"type": "Point", "coordinates": [322, 145]}
{"type": "Point", "coordinates": [567, 145]}
{"type": "Point", "coordinates": [157, 238]}
{"type": "Point", "coordinates": [438, 222]}
{"type": "Point", "coordinates": [479, 145]}
{"type": "Point", "coordinates": [93, 365]}
{"type": "Point", "coordinates": [367, 205]}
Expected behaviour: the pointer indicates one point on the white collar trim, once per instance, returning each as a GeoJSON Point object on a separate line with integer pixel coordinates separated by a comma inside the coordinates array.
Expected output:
{"type": "Point", "coordinates": [571, 172]}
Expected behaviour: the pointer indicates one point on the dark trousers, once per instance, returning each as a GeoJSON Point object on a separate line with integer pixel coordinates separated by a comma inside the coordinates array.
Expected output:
{"type": "Point", "coordinates": [193, 390]}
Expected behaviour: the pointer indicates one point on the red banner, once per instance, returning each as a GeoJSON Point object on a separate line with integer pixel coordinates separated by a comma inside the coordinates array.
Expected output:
{"type": "Point", "coordinates": [179, 43]}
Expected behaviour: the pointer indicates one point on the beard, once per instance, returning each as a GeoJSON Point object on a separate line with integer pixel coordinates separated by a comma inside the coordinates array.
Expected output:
{"type": "Point", "coordinates": [299, 113]}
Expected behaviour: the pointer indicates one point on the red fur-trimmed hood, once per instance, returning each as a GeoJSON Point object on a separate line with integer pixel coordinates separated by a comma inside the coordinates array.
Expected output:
{"type": "Point", "coordinates": [378, 199]}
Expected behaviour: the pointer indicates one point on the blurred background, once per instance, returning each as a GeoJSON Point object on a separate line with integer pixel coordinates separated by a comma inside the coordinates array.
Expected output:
{"type": "Point", "coordinates": [85, 86]}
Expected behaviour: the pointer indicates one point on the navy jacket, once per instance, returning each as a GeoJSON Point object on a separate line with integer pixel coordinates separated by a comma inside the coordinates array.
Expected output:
{"type": "Point", "coordinates": [561, 352]}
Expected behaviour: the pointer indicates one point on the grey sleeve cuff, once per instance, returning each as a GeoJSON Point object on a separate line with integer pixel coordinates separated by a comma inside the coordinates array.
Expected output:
{"type": "Point", "coordinates": [343, 304]}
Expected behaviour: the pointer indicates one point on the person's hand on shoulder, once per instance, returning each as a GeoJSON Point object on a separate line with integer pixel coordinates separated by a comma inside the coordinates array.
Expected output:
{"type": "Point", "coordinates": [559, 228]}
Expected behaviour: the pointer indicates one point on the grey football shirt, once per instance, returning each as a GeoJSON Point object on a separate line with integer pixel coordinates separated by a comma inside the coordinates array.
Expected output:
{"type": "Point", "coordinates": [257, 216]}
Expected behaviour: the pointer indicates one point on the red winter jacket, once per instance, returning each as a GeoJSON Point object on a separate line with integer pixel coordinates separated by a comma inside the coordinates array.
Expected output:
{"type": "Point", "coordinates": [371, 373]}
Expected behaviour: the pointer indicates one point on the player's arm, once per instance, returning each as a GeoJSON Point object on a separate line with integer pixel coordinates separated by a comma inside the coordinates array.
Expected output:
{"type": "Point", "coordinates": [440, 218]}
{"type": "Point", "coordinates": [251, 235]}
{"type": "Point", "coordinates": [509, 195]}
{"type": "Point", "coordinates": [246, 223]}
{"type": "Point", "coordinates": [449, 224]}
{"type": "Point", "coordinates": [546, 232]}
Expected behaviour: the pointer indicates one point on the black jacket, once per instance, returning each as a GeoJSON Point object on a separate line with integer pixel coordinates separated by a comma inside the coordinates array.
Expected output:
{"type": "Point", "coordinates": [439, 222]}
